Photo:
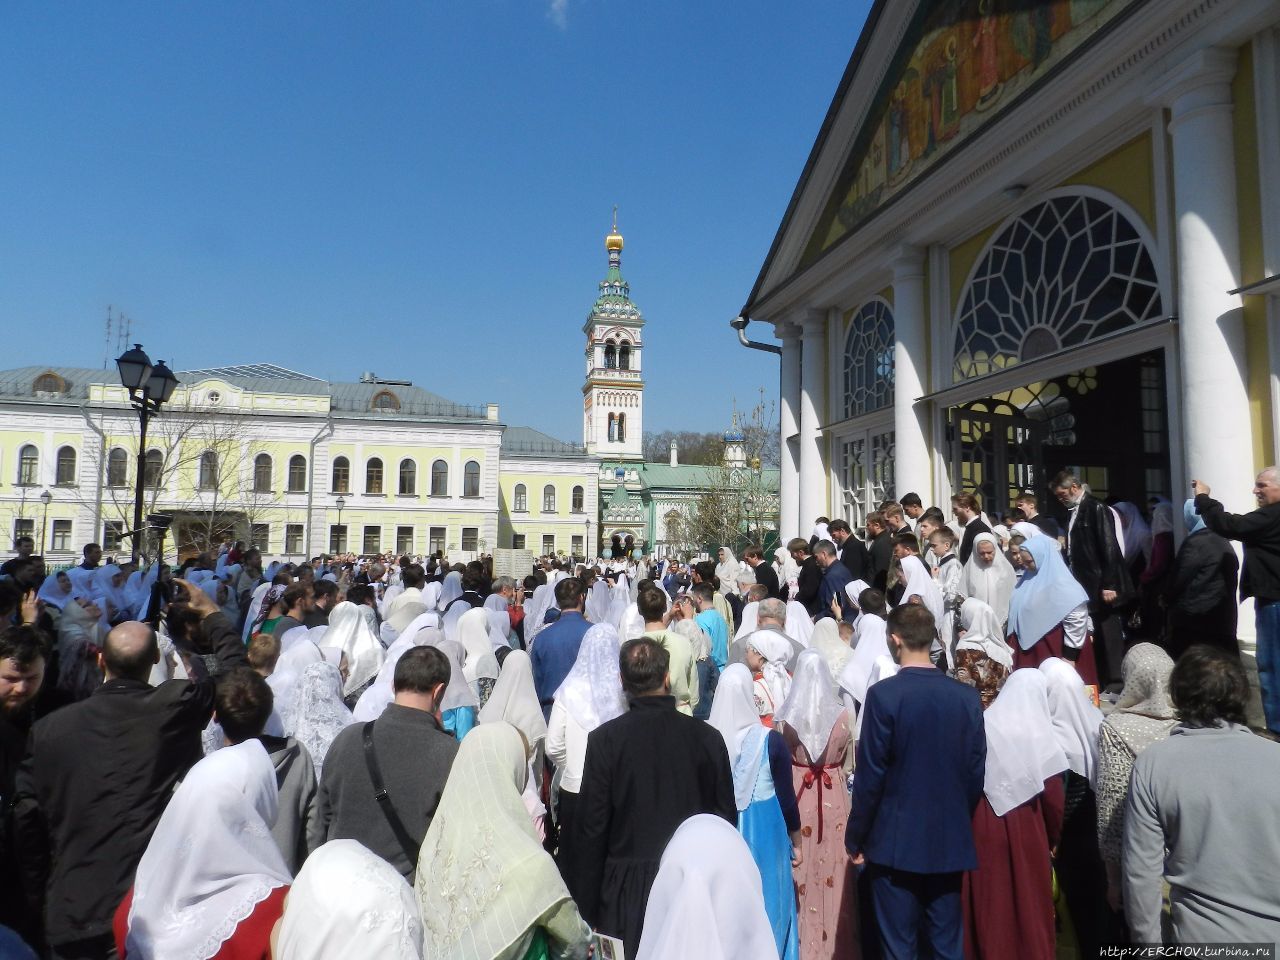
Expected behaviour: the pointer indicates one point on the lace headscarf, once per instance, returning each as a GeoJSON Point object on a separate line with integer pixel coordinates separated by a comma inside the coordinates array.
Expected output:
{"type": "Point", "coordinates": [826, 641]}
{"type": "Point", "coordinates": [347, 902]}
{"type": "Point", "coordinates": [211, 860]}
{"type": "Point", "coordinates": [812, 707]}
{"type": "Point", "coordinates": [1144, 713]}
{"type": "Point", "coordinates": [483, 878]}
{"type": "Point", "coordinates": [316, 714]}
{"type": "Point", "coordinates": [592, 691]}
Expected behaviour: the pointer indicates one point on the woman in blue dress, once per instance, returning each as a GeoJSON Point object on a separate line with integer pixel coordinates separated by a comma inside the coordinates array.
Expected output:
{"type": "Point", "coordinates": [768, 816]}
{"type": "Point", "coordinates": [459, 705]}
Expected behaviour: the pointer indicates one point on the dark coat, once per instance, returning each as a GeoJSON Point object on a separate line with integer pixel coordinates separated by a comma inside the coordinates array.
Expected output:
{"type": "Point", "coordinates": [971, 531]}
{"type": "Point", "coordinates": [880, 551]}
{"type": "Point", "coordinates": [920, 767]}
{"type": "Point", "coordinates": [808, 583]}
{"type": "Point", "coordinates": [414, 756]}
{"type": "Point", "coordinates": [1200, 594]}
{"type": "Point", "coordinates": [646, 772]}
{"type": "Point", "coordinates": [856, 559]}
{"type": "Point", "coordinates": [96, 780]}
{"type": "Point", "coordinates": [1259, 531]}
{"type": "Point", "coordinates": [1095, 558]}
{"type": "Point", "coordinates": [767, 577]}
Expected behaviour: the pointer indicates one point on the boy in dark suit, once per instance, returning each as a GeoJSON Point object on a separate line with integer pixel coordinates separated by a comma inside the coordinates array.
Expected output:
{"type": "Point", "coordinates": [921, 762]}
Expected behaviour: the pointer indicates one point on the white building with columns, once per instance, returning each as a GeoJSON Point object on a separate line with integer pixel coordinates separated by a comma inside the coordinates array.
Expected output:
{"type": "Point", "coordinates": [1029, 238]}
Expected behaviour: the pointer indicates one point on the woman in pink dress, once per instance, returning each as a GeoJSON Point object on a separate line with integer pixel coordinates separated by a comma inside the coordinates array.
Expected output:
{"type": "Point", "coordinates": [816, 728]}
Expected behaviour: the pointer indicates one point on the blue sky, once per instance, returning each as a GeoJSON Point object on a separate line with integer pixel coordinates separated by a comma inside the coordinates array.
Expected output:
{"type": "Point", "coordinates": [420, 189]}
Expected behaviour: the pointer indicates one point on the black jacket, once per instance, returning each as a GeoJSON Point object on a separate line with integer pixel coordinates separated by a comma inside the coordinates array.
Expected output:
{"type": "Point", "coordinates": [1259, 531]}
{"type": "Point", "coordinates": [971, 531]}
{"type": "Point", "coordinates": [856, 559]}
{"type": "Point", "coordinates": [1093, 554]}
{"type": "Point", "coordinates": [767, 577]}
{"type": "Point", "coordinates": [646, 772]}
{"type": "Point", "coordinates": [95, 782]}
{"type": "Point", "coordinates": [880, 552]}
{"type": "Point", "coordinates": [1204, 576]}
{"type": "Point", "coordinates": [808, 583]}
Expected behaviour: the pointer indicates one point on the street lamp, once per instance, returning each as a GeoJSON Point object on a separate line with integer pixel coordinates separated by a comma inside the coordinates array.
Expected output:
{"type": "Point", "coordinates": [586, 540]}
{"type": "Point", "coordinates": [341, 502]}
{"type": "Point", "coordinates": [150, 387]}
{"type": "Point", "coordinates": [46, 498]}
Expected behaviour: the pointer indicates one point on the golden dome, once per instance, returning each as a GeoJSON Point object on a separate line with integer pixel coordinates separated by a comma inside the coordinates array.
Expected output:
{"type": "Point", "coordinates": [614, 240]}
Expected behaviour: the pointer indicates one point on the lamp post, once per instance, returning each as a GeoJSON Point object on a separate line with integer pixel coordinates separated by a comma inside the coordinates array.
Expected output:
{"type": "Point", "coordinates": [150, 387]}
{"type": "Point", "coordinates": [586, 540]}
{"type": "Point", "coordinates": [46, 498]}
{"type": "Point", "coordinates": [341, 502]}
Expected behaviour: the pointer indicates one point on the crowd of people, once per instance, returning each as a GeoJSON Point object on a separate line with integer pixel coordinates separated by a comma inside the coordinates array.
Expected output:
{"type": "Point", "coordinates": [980, 734]}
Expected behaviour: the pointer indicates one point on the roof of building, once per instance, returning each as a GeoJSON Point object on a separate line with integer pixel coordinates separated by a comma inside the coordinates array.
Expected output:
{"type": "Point", "coordinates": [693, 476]}
{"type": "Point", "coordinates": [525, 441]}
{"type": "Point", "coordinates": [264, 371]}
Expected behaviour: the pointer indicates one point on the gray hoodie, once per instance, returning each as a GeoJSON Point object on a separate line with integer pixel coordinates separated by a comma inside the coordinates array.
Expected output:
{"type": "Point", "coordinates": [297, 830]}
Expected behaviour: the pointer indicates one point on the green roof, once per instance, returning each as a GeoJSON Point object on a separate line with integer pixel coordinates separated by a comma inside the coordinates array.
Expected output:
{"type": "Point", "coordinates": [692, 476]}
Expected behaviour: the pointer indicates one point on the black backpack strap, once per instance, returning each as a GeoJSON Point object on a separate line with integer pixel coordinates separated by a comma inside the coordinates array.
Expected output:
{"type": "Point", "coordinates": [384, 799]}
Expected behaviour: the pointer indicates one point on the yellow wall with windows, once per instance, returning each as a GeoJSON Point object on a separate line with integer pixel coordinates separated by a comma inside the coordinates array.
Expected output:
{"type": "Point", "coordinates": [393, 454]}
{"type": "Point", "coordinates": [535, 484]}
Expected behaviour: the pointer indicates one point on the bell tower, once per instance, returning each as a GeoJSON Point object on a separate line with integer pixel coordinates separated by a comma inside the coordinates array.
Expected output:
{"type": "Point", "coordinates": [613, 392]}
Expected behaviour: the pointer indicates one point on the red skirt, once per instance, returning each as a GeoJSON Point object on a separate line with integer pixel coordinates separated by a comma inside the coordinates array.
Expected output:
{"type": "Point", "coordinates": [1052, 645]}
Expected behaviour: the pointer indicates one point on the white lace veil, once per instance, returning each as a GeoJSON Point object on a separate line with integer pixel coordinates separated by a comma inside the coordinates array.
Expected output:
{"type": "Point", "coordinates": [316, 714]}
{"type": "Point", "coordinates": [592, 692]}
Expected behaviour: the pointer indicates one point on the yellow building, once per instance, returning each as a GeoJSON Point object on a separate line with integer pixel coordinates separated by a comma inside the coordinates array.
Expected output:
{"type": "Point", "coordinates": [295, 465]}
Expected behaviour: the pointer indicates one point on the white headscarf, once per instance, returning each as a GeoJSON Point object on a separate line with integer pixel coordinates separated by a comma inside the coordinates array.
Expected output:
{"type": "Point", "coordinates": [1045, 595]}
{"type": "Point", "coordinates": [1026, 530]}
{"type": "Point", "coordinates": [776, 651]}
{"type": "Point", "coordinates": [1022, 749]}
{"type": "Point", "coordinates": [1137, 534]}
{"type": "Point", "coordinates": [52, 593]}
{"type": "Point", "coordinates": [473, 634]}
{"type": "Point", "coordinates": [991, 583]}
{"type": "Point", "coordinates": [536, 610]}
{"type": "Point", "coordinates": [431, 591]}
{"type": "Point", "coordinates": [458, 693]}
{"type": "Point", "coordinates": [786, 566]}
{"type": "Point", "coordinates": [1076, 720]}
{"type": "Point", "coordinates": [883, 667]}
{"type": "Point", "coordinates": [619, 601]}
{"type": "Point", "coordinates": [316, 714]}
{"type": "Point", "coordinates": [291, 664]}
{"type": "Point", "coordinates": [750, 612]}
{"type": "Point", "coordinates": [799, 624]}
{"type": "Point", "coordinates": [401, 615]}
{"type": "Point", "coordinates": [826, 641]}
{"type": "Point", "coordinates": [920, 584]}
{"type": "Point", "coordinates": [707, 901]}
{"type": "Point", "coordinates": [515, 700]}
{"type": "Point", "coordinates": [592, 692]}
{"type": "Point", "coordinates": [982, 631]}
{"type": "Point", "coordinates": [451, 590]}
{"type": "Point", "coordinates": [735, 716]}
{"type": "Point", "coordinates": [349, 631]}
{"type": "Point", "coordinates": [812, 707]}
{"type": "Point", "coordinates": [483, 878]}
{"type": "Point", "coordinates": [727, 571]}
{"type": "Point", "coordinates": [871, 641]}
{"type": "Point", "coordinates": [382, 691]}
{"type": "Point", "coordinates": [597, 603]}
{"type": "Point", "coordinates": [347, 902]}
{"type": "Point", "coordinates": [211, 859]}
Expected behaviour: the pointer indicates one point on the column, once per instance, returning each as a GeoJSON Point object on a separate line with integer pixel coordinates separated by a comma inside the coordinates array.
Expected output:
{"type": "Point", "coordinates": [912, 472]}
{"type": "Point", "coordinates": [813, 477]}
{"type": "Point", "coordinates": [1217, 433]}
{"type": "Point", "coordinates": [789, 427]}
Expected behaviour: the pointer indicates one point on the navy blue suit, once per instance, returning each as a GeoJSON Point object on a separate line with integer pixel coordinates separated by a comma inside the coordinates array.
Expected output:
{"type": "Point", "coordinates": [834, 580]}
{"type": "Point", "coordinates": [921, 761]}
{"type": "Point", "coordinates": [554, 650]}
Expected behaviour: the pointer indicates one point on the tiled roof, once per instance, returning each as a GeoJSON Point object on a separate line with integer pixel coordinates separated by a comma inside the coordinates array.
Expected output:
{"type": "Point", "coordinates": [526, 441]}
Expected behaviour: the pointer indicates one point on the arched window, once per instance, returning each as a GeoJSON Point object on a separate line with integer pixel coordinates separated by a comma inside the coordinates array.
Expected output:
{"type": "Point", "coordinates": [471, 479]}
{"type": "Point", "coordinates": [262, 473]}
{"type": "Point", "coordinates": [622, 428]}
{"type": "Point", "coordinates": [520, 499]}
{"type": "Point", "coordinates": [49, 383]}
{"type": "Point", "coordinates": [385, 402]}
{"type": "Point", "coordinates": [373, 475]}
{"type": "Point", "coordinates": [548, 499]}
{"type": "Point", "coordinates": [297, 473]}
{"type": "Point", "coordinates": [408, 478]}
{"type": "Point", "coordinates": [578, 494]}
{"type": "Point", "coordinates": [208, 478]}
{"type": "Point", "coordinates": [153, 469]}
{"type": "Point", "coordinates": [624, 357]}
{"type": "Point", "coordinates": [340, 480]}
{"type": "Point", "coordinates": [1070, 270]}
{"type": "Point", "coordinates": [117, 468]}
{"type": "Point", "coordinates": [610, 355]}
{"type": "Point", "coordinates": [439, 479]}
{"type": "Point", "coordinates": [868, 360]}
{"type": "Point", "coordinates": [66, 467]}
{"type": "Point", "coordinates": [613, 427]}
{"type": "Point", "coordinates": [28, 466]}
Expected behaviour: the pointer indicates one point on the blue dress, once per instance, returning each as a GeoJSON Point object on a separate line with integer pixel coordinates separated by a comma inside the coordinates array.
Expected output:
{"type": "Point", "coordinates": [763, 824]}
{"type": "Point", "coordinates": [458, 721]}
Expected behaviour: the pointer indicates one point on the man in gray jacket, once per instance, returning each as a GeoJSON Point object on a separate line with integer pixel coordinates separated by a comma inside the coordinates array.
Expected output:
{"type": "Point", "coordinates": [407, 751]}
{"type": "Point", "coordinates": [242, 707]}
{"type": "Point", "coordinates": [1204, 814]}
